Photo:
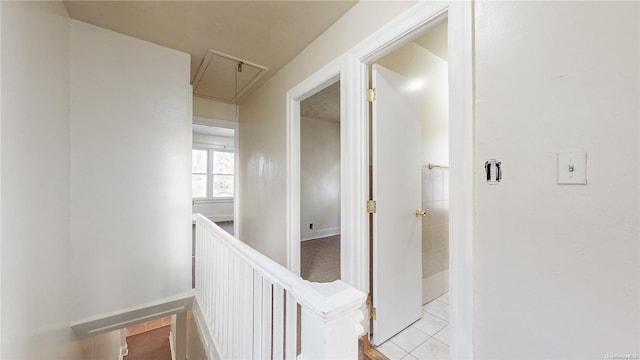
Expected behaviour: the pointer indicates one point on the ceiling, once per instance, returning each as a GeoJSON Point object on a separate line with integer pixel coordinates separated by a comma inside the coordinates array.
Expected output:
{"type": "Point", "coordinates": [323, 105]}
{"type": "Point", "coordinates": [265, 33]}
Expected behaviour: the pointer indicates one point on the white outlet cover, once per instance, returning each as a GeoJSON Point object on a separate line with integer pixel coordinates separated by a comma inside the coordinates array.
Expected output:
{"type": "Point", "coordinates": [572, 168]}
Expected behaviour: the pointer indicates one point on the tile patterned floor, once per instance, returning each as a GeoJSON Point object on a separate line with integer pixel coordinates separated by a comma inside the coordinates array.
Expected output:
{"type": "Point", "coordinates": [426, 339]}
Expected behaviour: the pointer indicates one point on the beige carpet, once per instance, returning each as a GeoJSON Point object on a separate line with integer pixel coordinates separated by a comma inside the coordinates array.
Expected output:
{"type": "Point", "coordinates": [320, 259]}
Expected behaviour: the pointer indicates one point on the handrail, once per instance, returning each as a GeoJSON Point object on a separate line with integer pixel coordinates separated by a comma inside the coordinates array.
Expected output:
{"type": "Point", "coordinates": [331, 312]}
{"type": "Point", "coordinates": [261, 262]}
{"type": "Point", "coordinates": [312, 294]}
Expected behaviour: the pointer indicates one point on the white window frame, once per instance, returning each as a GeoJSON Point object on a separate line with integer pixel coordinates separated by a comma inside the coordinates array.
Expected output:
{"type": "Point", "coordinates": [209, 197]}
{"type": "Point", "coordinates": [235, 125]}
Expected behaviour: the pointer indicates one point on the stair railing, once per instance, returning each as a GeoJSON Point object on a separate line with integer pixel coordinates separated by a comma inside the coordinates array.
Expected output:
{"type": "Point", "coordinates": [247, 305]}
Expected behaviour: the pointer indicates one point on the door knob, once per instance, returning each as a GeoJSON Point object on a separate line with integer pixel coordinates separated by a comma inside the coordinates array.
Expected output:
{"type": "Point", "coordinates": [421, 212]}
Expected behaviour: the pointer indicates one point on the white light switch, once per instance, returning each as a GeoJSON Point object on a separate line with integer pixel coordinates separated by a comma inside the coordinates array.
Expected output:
{"type": "Point", "coordinates": [572, 168]}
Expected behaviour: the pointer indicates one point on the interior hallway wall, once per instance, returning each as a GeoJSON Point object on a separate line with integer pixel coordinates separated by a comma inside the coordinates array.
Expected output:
{"type": "Point", "coordinates": [557, 266]}
{"type": "Point", "coordinates": [36, 310]}
{"type": "Point", "coordinates": [130, 200]}
{"type": "Point", "coordinates": [319, 178]}
{"type": "Point", "coordinates": [263, 133]}
{"type": "Point", "coordinates": [213, 109]}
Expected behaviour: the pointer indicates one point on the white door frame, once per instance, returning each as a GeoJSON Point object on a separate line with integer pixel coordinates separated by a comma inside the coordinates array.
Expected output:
{"type": "Point", "coordinates": [354, 157]}
{"type": "Point", "coordinates": [318, 81]}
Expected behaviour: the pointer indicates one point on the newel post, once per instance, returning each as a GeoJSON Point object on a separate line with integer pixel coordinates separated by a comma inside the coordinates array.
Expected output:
{"type": "Point", "coordinates": [331, 320]}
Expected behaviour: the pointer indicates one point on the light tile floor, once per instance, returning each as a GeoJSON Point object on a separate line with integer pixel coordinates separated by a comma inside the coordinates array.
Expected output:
{"type": "Point", "coordinates": [426, 339]}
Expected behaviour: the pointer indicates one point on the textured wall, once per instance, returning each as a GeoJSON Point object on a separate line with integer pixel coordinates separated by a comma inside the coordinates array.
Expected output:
{"type": "Point", "coordinates": [557, 266]}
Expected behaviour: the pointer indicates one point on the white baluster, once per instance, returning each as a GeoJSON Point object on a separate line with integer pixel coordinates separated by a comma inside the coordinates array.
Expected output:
{"type": "Point", "coordinates": [257, 315]}
{"type": "Point", "coordinates": [266, 319]}
{"type": "Point", "coordinates": [249, 304]}
{"type": "Point", "coordinates": [278, 322]}
{"type": "Point", "coordinates": [291, 327]}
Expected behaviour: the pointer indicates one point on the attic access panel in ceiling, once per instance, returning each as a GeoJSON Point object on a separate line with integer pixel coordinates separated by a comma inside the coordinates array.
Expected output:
{"type": "Point", "coordinates": [216, 77]}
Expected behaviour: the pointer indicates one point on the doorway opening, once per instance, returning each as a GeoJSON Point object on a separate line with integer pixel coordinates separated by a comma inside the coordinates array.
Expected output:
{"type": "Point", "coordinates": [351, 70]}
{"type": "Point", "coordinates": [151, 339]}
{"type": "Point", "coordinates": [320, 185]}
{"type": "Point", "coordinates": [410, 183]}
{"type": "Point", "coordinates": [315, 136]}
{"type": "Point", "coordinates": [214, 181]}
{"type": "Point", "coordinates": [214, 184]}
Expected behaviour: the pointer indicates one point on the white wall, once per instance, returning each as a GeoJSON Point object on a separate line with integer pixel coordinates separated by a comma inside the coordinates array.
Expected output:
{"type": "Point", "coordinates": [106, 346]}
{"type": "Point", "coordinates": [557, 267]}
{"type": "Point", "coordinates": [214, 109]}
{"type": "Point", "coordinates": [35, 183]}
{"type": "Point", "coordinates": [319, 178]}
{"type": "Point", "coordinates": [262, 152]}
{"type": "Point", "coordinates": [130, 200]}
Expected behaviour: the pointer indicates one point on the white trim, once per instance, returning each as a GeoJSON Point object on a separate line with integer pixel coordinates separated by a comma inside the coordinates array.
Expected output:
{"type": "Point", "coordinates": [1, 337]}
{"type": "Point", "coordinates": [206, 338]}
{"type": "Point", "coordinates": [200, 120]}
{"type": "Point", "coordinates": [172, 346]}
{"type": "Point", "coordinates": [104, 323]}
{"type": "Point", "coordinates": [461, 176]}
{"type": "Point", "coordinates": [203, 201]}
{"type": "Point", "coordinates": [354, 247]}
{"type": "Point", "coordinates": [354, 157]}
{"type": "Point", "coordinates": [316, 82]}
{"type": "Point", "coordinates": [318, 234]}
{"type": "Point", "coordinates": [236, 181]}
{"type": "Point", "coordinates": [206, 146]}
{"type": "Point", "coordinates": [210, 174]}
{"type": "Point", "coordinates": [396, 33]}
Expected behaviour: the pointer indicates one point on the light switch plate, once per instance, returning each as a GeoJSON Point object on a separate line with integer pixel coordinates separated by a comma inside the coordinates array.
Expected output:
{"type": "Point", "coordinates": [572, 168]}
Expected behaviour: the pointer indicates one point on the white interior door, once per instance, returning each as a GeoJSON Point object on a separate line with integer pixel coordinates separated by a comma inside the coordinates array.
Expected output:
{"type": "Point", "coordinates": [397, 179]}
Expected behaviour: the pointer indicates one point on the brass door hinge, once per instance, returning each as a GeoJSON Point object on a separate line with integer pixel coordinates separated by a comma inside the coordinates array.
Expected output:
{"type": "Point", "coordinates": [372, 310]}
{"type": "Point", "coordinates": [371, 206]}
{"type": "Point", "coordinates": [371, 95]}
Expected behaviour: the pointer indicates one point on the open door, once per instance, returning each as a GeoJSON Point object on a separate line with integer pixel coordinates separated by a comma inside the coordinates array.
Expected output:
{"type": "Point", "coordinates": [397, 224]}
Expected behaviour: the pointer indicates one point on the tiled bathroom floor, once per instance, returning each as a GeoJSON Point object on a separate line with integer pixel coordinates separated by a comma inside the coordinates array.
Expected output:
{"type": "Point", "coordinates": [426, 339]}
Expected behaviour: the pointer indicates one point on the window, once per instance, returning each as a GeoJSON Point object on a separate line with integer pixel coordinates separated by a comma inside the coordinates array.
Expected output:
{"type": "Point", "coordinates": [199, 173]}
{"type": "Point", "coordinates": [212, 174]}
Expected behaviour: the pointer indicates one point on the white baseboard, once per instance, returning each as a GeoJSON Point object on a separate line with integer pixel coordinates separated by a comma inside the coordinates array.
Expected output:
{"type": "Point", "coordinates": [317, 234]}
{"type": "Point", "coordinates": [206, 338]}
{"type": "Point", "coordinates": [105, 323]}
